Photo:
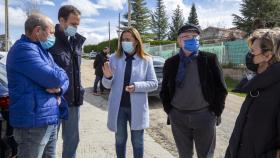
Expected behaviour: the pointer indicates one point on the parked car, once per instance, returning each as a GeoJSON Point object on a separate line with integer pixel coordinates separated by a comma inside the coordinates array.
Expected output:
{"type": "Point", "coordinates": [8, 146]}
{"type": "Point", "coordinates": [3, 57]}
{"type": "Point", "coordinates": [158, 65]}
{"type": "Point", "coordinates": [92, 55]}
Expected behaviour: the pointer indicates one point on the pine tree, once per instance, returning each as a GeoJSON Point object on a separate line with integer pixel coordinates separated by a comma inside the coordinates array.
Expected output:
{"type": "Point", "coordinates": [177, 23]}
{"type": "Point", "coordinates": [159, 24]}
{"type": "Point", "coordinates": [140, 18]}
{"type": "Point", "coordinates": [258, 14]}
{"type": "Point", "coordinates": [192, 19]}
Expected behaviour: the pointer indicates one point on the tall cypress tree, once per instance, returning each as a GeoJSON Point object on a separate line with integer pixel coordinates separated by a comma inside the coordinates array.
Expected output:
{"type": "Point", "coordinates": [159, 24]}
{"type": "Point", "coordinates": [258, 14]}
{"type": "Point", "coordinates": [140, 17]}
{"type": "Point", "coordinates": [177, 23]}
{"type": "Point", "coordinates": [192, 19]}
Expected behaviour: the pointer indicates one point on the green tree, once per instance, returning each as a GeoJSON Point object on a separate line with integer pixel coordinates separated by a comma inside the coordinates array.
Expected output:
{"type": "Point", "coordinates": [192, 19]}
{"type": "Point", "coordinates": [258, 14]}
{"type": "Point", "coordinates": [140, 18]}
{"type": "Point", "coordinates": [177, 23]}
{"type": "Point", "coordinates": [100, 46]}
{"type": "Point", "coordinates": [159, 23]}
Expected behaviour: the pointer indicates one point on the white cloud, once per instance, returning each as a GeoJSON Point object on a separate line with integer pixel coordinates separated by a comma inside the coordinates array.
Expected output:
{"type": "Point", "coordinates": [114, 4]}
{"type": "Point", "coordinates": [219, 15]}
{"type": "Point", "coordinates": [171, 5]}
{"type": "Point", "coordinates": [17, 16]}
{"type": "Point", "coordinates": [85, 6]}
{"type": "Point", "coordinates": [47, 2]}
{"type": "Point", "coordinates": [97, 34]}
{"type": "Point", "coordinates": [87, 21]}
{"type": "Point", "coordinates": [37, 2]}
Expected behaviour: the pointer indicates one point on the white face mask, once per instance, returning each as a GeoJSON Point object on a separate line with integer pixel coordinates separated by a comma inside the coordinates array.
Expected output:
{"type": "Point", "coordinates": [128, 47]}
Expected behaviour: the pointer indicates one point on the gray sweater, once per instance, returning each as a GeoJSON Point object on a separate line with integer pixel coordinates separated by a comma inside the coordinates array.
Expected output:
{"type": "Point", "coordinates": [189, 96]}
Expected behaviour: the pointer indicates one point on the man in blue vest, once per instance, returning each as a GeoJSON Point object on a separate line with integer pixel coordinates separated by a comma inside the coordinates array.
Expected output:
{"type": "Point", "coordinates": [67, 52]}
{"type": "Point", "coordinates": [36, 85]}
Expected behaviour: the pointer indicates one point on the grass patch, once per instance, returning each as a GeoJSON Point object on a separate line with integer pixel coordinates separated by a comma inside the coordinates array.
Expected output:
{"type": "Point", "coordinates": [231, 84]}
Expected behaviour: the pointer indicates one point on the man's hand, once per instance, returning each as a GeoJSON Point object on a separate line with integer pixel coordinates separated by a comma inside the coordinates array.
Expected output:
{"type": "Point", "coordinates": [218, 120]}
{"type": "Point", "coordinates": [130, 88]}
{"type": "Point", "coordinates": [58, 100]}
{"type": "Point", "coordinates": [53, 90]}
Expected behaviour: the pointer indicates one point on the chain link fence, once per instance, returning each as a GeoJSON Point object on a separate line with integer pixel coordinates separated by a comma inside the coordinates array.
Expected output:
{"type": "Point", "coordinates": [231, 55]}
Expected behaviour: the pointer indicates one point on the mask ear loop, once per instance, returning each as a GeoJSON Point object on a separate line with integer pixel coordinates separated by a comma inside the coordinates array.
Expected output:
{"type": "Point", "coordinates": [254, 95]}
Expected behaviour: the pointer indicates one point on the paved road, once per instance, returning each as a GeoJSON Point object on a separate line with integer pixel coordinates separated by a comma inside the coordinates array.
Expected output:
{"type": "Point", "coordinates": [98, 142]}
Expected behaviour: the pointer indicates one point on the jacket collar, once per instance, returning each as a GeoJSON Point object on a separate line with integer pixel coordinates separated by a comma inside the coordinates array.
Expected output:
{"type": "Point", "coordinates": [264, 80]}
{"type": "Point", "coordinates": [61, 35]}
{"type": "Point", "coordinates": [27, 39]}
{"type": "Point", "coordinates": [135, 56]}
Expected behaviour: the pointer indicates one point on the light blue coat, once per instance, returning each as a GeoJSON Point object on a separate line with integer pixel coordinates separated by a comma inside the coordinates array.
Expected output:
{"type": "Point", "coordinates": [144, 78]}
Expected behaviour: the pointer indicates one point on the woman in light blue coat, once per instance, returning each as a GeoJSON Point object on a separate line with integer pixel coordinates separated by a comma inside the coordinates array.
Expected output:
{"type": "Point", "coordinates": [130, 75]}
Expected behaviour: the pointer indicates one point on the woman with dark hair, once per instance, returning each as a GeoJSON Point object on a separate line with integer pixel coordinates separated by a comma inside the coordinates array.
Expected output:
{"type": "Point", "coordinates": [257, 129]}
{"type": "Point", "coordinates": [130, 75]}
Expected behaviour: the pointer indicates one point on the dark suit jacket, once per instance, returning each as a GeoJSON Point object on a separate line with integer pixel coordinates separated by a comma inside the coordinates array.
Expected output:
{"type": "Point", "coordinates": [211, 78]}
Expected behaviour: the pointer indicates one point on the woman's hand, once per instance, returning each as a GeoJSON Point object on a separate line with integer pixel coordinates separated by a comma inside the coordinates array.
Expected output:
{"type": "Point", "coordinates": [278, 153]}
{"type": "Point", "coordinates": [106, 70]}
{"type": "Point", "coordinates": [130, 88]}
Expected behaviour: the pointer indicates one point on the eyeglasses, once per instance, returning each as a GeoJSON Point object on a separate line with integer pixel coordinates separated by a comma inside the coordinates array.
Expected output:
{"type": "Point", "coordinates": [190, 37]}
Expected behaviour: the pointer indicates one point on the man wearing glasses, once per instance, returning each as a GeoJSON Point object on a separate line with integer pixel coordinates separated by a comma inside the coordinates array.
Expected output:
{"type": "Point", "coordinates": [193, 95]}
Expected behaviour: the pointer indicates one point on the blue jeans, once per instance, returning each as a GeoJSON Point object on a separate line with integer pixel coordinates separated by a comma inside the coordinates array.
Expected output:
{"type": "Point", "coordinates": [98, 79]}
{"type": "Point", "coordinates": [70, 132]}
{"type": "Point", "coordinates": [36, 142]}
{"type": "Point", "coordinates": [137, 136]}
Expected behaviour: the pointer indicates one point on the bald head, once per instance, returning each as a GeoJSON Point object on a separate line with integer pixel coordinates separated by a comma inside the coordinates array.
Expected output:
{"type": "Point", "coordinates": [38, 20]}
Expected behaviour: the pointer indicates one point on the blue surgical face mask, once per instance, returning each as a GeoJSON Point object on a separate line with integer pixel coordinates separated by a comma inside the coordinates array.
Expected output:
{"type": "Point", "coordinates": [48, 43]}
{"type": "Point", "coordinates": [191, 45]}
{"type": "Point", "coordinates": [128, 47]}
{"type": "Point", "coordinates": [70, 31]}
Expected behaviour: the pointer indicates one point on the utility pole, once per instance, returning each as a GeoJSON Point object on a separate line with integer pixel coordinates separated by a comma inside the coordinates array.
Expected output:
{"type": "Point", "coordinates": [119, 30]}
{"type": "Point", "coordinates": [129, 14]}
{"type": "Point", "coordinates": [6, 27]}
{"type": "Point", "coordinates": [109, 36]}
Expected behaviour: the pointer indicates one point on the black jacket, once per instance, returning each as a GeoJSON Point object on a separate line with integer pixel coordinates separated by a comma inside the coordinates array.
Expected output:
{"type": "Point", "coordinates": [68, 57]}
{"type": "Point", "coordinates": [257, 129]}
{"type": "Point", "coordinates": [99, 61]}
{"type": "Point", "coordinates": [211, 78]}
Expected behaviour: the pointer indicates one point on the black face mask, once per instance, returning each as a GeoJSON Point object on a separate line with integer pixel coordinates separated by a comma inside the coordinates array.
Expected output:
{"type": "Point", "coordinates": [250, 63]}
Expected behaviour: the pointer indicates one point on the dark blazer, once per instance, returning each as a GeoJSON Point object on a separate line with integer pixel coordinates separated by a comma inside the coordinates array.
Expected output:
{"type": "Point", "coordinates": [211, 78]}
{"type": "Point", "coordinates": [257, 129]}
{"type": "Point", "coordinates": [67, 55]}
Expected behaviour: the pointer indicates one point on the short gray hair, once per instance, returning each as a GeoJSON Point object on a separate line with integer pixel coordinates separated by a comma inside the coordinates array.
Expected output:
{"type": "Point", "coordinates": [35, 20]}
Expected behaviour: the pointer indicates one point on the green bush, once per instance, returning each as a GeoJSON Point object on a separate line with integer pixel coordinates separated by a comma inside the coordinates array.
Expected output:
{"type": "Point", "coordinates": [99, 47]}
{"type": "Point", "coordinates": [155, 43]}
{"type": "Point", "coordinates": [231, 84]}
